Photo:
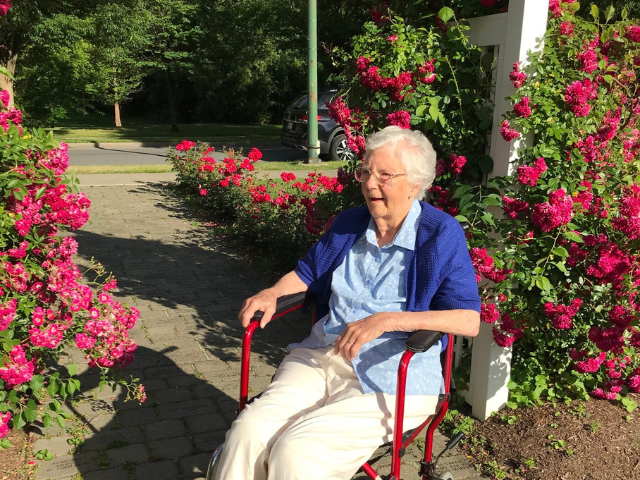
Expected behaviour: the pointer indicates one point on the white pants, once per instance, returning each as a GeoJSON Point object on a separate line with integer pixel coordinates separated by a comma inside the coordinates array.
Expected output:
{"type": "Point", "coordinates": [313, 422]}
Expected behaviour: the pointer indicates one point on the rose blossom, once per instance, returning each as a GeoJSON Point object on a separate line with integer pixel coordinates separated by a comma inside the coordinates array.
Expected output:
{"type": "Point", "coordinates": [522, 107]}
{"type": "Point", "coordinates": [507, 132]}
{"type": "Point", "coordinates": [401, 118]}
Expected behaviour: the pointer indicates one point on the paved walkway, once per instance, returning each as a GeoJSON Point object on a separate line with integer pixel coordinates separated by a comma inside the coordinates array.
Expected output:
{"type": "Point", "coordinates": [188, 286]}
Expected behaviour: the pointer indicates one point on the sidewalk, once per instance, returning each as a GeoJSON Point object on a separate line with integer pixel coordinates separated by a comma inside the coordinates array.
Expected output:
{"type": "Point", "coordinates": [188, 286]}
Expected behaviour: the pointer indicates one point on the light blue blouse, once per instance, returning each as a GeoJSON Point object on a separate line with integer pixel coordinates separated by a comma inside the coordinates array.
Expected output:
{"type": "Point", "coordinates": [371, 280]}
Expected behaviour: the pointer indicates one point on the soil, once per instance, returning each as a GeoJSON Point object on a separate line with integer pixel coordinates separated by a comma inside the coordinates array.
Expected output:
{"type": "Point", "coordinates": [596, 439]}
{"type": "Point", "coordinates": [17, 462]}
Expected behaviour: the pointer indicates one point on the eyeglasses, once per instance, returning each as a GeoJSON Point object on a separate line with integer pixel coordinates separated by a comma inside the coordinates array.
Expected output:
{"type": "Point", "coordinates": [362, 175]}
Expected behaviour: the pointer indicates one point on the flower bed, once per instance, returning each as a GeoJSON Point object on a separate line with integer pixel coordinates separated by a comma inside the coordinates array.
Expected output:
{"type": "Point", "coordinates": [280, 218]}
{"type": "Point", "coordinates": [44, 306]}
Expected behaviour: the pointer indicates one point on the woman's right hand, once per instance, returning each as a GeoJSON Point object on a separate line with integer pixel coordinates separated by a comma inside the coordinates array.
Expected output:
{"type": "Point", "coordinates": [264, 301]}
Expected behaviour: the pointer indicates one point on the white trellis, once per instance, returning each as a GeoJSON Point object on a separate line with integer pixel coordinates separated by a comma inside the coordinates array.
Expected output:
{"type": "Point", "coordinates": [513, 34]}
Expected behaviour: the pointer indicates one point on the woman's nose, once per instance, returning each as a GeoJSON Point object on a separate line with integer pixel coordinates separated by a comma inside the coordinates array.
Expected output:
{"type": "Point", "coordinates": [371, 182]}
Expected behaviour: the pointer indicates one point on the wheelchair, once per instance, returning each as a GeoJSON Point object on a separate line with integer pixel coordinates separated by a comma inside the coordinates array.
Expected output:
{"type": "Point", "coordinates": [419, 342]}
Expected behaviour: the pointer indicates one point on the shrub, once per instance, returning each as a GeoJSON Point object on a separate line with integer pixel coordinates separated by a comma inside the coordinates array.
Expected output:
{"type": "Point", "coordinates": [44, 307]}
{"type": "Point", "coordinates": [283, 215]}
{"type": "Point", "coordinates": [565, 271]}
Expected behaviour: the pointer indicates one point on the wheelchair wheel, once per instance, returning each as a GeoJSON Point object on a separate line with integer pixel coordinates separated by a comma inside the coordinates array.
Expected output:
{"type": "Point", "coordinates": [443, 476]}
{"type": "Point", "coordinates": [214, 462]}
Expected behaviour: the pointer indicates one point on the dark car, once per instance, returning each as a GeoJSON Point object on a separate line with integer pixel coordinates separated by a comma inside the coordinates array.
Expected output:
{"type": "Point", "coordinates": [333, 141]}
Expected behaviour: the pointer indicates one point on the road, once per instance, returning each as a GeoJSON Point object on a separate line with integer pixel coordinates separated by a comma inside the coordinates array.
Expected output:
{"type": "Point", "coordinates": [127, 155]}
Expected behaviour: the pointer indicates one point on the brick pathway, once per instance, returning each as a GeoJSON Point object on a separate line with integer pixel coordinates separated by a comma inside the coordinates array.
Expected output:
{"type": "Point", "coordinates": [188, 286]}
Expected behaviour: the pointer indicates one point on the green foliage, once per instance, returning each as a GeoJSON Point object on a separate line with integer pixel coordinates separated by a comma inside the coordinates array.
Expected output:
{"type": "Point", "coordinates": [453, 110]}
{"type": "Point", "coordinates": [265, 215]}
{"type": "Point", "coordinates": [44, 454]}
{"type": "Point", "coordinates": [44, 309]}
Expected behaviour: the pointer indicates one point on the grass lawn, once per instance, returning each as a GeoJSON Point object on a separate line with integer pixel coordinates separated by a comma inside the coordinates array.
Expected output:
{"type": "Point", "coordinates": [165, 167]}
{"type": "Point", "coordinates": [94, 128]}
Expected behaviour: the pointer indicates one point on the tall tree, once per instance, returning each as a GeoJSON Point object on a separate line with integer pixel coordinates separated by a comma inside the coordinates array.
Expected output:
{"type": "Point", "coordinates": [174, 34]}
{"type": "Point", "coordinates": [119, 40]}
{"type": "Point", "coordinates": [56, 69]}
{"type": "Point", "coordinates": [17, 26]}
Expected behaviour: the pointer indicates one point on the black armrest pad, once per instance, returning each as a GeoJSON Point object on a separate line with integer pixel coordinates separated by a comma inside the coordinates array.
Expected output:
{"type": "Point", "coordinates": [422, 340]}
{"type": "Point", "coordinates": [284, 304]}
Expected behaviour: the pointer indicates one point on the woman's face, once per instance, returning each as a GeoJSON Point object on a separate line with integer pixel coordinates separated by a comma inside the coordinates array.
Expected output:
{"type": "Point", "coordinates": [390, 202]}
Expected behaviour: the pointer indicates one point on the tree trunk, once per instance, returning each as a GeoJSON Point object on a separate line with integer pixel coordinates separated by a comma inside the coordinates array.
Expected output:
{"type": "Point", "coordinates": [117, 112]}
{"type": "Point", "coordinates": [171, 97]}
{"type": "Point", "coordinates": [5, 82]}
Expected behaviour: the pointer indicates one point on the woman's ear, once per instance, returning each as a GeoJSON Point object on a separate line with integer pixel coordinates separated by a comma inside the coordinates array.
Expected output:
{"type": "Point", "coordinates": [413, 191]}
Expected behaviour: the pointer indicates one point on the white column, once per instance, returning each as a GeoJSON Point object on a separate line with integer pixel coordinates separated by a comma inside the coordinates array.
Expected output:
{"type": "Point", "coordinates": [514, 34]}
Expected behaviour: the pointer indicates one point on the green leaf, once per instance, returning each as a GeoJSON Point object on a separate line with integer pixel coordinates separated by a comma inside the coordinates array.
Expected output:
{"type": "Point", "coordinates": [5, 72]}
{"type": "Point", "coordinates": [19, 421]}
{"type": "Point", "coordinates": [420, 110]}
{"type": "Point", "coordinates": [609, 13]}
{"type": "Point", "coordinates": [486, 164]}
{"type": "Point", "coordinates": [445, 14]}
{"type": "Point", "coordinates": [433, 111]}
{"type": "Point", "coordinates": [462, 218]}
{"type": "Point", "coordinates": [573, 236]}
{"type": "Point", "coordinates": [47, 420]}
{"type": "Point", "coordinates": [73, 369]}
{"type": "Point", "coordinates": [560, 251]}
{"type": "Point", "coordinates": [574, 7]}
{"type": "Point", "coordinates": [595, 13]}
{"type": "Point", "coordinates": [40, 192]}
{"type": "Point", "coordinates": [30, 414]}
{"type": "Point", "coordinates": [493, 199]}
{"type": "Point", "coordinates": [36, 383]}
{"type": "Point", "coordinates": [624, 13]}
{"type": "Point", "coordinates": [629, 404]}
{"type": "Point", "coordinates": [543, 284]}
{"type": "Point", "coordinates": [52, 389]}
{"type": "Point", "coordinates": [461, 190]}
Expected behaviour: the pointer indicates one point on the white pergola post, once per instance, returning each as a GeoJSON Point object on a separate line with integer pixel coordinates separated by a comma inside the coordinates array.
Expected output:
{"type": "Point", "coordinates": [513, 34]}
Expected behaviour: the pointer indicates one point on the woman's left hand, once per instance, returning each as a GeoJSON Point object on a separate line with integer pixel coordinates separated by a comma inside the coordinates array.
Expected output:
{"type": "Point", "coordinates": [358, 333]}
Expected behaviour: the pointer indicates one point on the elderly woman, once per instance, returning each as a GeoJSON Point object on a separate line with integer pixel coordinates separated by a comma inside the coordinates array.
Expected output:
{"type": "Point", "coordinates": [383, 270]}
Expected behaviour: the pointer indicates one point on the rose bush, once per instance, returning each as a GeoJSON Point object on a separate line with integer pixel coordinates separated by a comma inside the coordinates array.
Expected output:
{"type": "Point", "coordinates": [279, 219]}
{"type": "Point", "coordinates": [44, 306]}
{"type": "Point", "coordinates": [561, 283]}
{"type": "Point", "coordinates": [567, 259]}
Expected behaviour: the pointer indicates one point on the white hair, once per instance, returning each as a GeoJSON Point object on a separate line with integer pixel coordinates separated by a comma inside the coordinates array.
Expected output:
{"type": "Point", "coordinates": [416, 154]}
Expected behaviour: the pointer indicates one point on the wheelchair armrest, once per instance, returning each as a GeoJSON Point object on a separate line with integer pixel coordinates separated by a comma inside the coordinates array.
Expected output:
{"type": "Point", "coordinates": [422, 340]}
{"type": "Point", "coordinates": [285, 304]}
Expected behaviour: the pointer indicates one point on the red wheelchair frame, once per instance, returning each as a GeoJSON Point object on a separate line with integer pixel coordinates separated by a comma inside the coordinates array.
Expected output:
{"type": "Point", "coordinates": [419, 342]}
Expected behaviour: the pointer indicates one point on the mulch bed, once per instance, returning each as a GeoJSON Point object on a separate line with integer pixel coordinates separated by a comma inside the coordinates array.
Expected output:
{"type": "Point", "coordinates": [596, 439]}
{"type": "Point", "coordinates": [15, 461]}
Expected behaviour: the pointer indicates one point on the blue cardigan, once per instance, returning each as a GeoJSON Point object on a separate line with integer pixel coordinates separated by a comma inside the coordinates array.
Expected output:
{"type": "Point", "coordinates": [439, 273]}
